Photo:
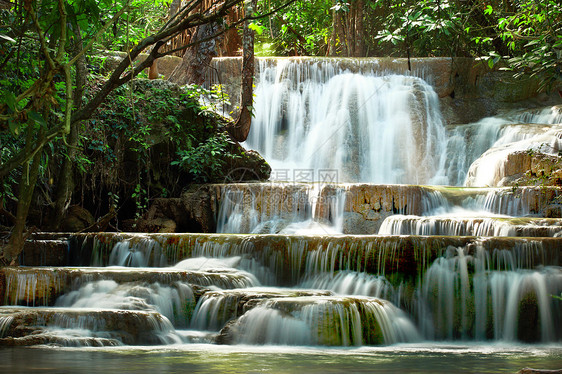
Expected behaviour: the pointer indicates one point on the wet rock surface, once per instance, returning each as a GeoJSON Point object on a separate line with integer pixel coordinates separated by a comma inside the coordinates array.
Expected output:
{"type": "Point", "coordinates": [40, 326]}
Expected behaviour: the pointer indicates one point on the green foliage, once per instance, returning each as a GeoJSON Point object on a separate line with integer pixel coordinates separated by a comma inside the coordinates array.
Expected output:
{"type": "Point", "coordinates": [7, 150]}
{"type": "Point", "coordinates": [533, 34]}
{"type": "Point", "coordinates": [206, 160]}
{"type": "Point", "coordinates": [141, 198]}
{"type": "Point", "coordinates": [43, 111]}
{"type": "Point", "coordinates": [144, 18]}
{"type": "Point", "coordinates": [427, 27]}
{"type": "Point", "coordinates": [529, 31]}
{"type": "Point", "coordinates": [147, 113]}
{"type": "Point", "coordinates": [33, 90]}
{"type": "Point", "coordinates": [20, 71]}
{"type": "Point", "coordinates": [303, 27]}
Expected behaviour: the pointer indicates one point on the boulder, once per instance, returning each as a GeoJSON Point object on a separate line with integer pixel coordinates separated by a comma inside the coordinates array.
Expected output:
{"type": "Point", "coordinates": [166, 64]}
{"type": "Point", "coordinates": [194, 211]}
{"type": "Point", "coordinates": [535, 160]}
{"type": "Point", "coordinates": [76, 219]}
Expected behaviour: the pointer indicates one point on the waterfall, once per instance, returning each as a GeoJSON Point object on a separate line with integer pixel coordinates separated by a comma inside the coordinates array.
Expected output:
{"type": "Point", "coordinates": [317, 121]}
{"type": "Point", "coordinates": [351, 283]}
{"type": "Point", "coordinates": [138, 254]}
{"type": "Point", "coordinates": [461, 153]}
{"type": "Point", "coordinates": [470, 226]}
{"type": "Point", "coordinates": [281, 208]}
{"type": "Point", "coordinates": [491, 302]}
{"type": "Point", "coordinates": [511, 131]}
{"type": "Point", "coordinates": [5, 322]}
{"type": "Point", "coordinates": [337, 290]}
{"type": "Point", "coordinates": [173, 302]}
{"type": "Point", "coordinates": [490, 168]}
{"type": "Point", "coordinates": [339, 321]}
{"type": "Point", "coordinates": [320, 255]}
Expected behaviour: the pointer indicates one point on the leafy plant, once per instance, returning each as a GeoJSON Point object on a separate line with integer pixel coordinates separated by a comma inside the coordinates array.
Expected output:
{"type": "Point", "coordinates": [205, 161]}
{"type": "Point", "coordinates": [141, 198]}
{"type": "Point", "coordinates": [533, 34]}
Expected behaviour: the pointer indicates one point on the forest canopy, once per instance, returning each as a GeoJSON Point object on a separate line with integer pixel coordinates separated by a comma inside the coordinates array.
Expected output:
{"type": "Point", "coordinates": [526, 34]}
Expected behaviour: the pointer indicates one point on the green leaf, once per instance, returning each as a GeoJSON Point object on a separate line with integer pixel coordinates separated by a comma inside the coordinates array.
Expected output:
{"type": "Point", "coordinates": [14, 128]}
{"type": "Point", "coordinates": [10, 100]}
{"type": "Point", "coordinates": [257, 28]}
{"type": "Point", "coordinates": [37, 118]}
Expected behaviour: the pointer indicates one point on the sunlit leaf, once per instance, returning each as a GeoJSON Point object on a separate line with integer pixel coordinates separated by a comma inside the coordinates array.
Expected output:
{"type": "Point", "coordinates": [256, 27]}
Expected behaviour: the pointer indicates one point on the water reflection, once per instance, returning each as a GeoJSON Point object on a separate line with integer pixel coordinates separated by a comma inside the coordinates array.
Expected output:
{"type": "Point", "coordinates": [202, 358]}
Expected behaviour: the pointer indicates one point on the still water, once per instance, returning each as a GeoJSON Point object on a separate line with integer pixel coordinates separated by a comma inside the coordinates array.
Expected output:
{"type": "Point", "coordinates": [205, 358]}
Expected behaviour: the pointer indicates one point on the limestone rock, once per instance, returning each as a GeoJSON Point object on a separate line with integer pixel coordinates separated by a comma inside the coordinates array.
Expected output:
{"type": "Point", "coordinates": [77, 219]}
{"type": "Point", "coordinates": [535, 160]}
{"type": "Point", "coordinates": [194, 211]}
{"type": "Point", "coordinates": [553, 211]}
{"type": "Point", "coordinates": [356, 224]}
{"type": "Point", "coordinates": [166, 64]}
{"type": "Point", "coordinates": [160, 225]}
{"type": "Point", "coordinates": [45, 252]}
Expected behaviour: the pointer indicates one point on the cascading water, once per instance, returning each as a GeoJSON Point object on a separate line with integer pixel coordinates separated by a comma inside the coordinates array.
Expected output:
{"type": "Point", "coordinates": [334, 290]}
{"type": "Point", "coordinates": [283, 208]}
{"type": "Point", "coordinates": [317, 121]}
{"type": "Point", "coordinates": [320, 120]}
{"type": "Point", "coordinates": [513, 131]}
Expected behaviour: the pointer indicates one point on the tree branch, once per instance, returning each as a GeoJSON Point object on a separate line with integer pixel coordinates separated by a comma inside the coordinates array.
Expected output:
{"type": "Point", "coordinates": [63, 29]}
{"type": "Point", "coordinates": [116, 79]}
{"type": "Point", "coordinates": [41, 34]}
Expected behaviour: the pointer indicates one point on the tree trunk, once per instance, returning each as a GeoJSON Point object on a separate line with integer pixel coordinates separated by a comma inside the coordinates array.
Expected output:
{"type": "Point", "coordinates": [241, 129]}
{"type": "Point", "coordinates": [350, 30]}
{"type": "Point", "coordinates": [65, 182]}
{"type": "Point", "coordinates": [341, 34]}
{"type": "Point", "coordinates": [359, 29]}
{"type": "Point", "coordinates": [231, 43]}
{"type": "Point", "coordinates": [153, 70]}
{"type": "Point", "coordinates": [197, 58]}
{"type": "Point", "coordinates": [28, 180]}
{"type": "Point", "coordinates": [332, 49]}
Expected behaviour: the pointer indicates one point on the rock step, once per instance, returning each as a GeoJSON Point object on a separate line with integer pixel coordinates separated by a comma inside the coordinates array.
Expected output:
{"type": "Point", "coordinates": [289, 258]}
{"type": "Point", "coordinates": [320, 320]}
{"type": "Point", "coordinates": [83, 327]}
{"type": "Point", "coordinates": [472, 226]}
{"type": "Point", "coordinates": [42, 286]}
{"type": "Point", "coordinates": [216, 308]}
{"type": "Point", "coordinates": [366, 206]}
{"type": "Point", "coordinates": [47, 251]}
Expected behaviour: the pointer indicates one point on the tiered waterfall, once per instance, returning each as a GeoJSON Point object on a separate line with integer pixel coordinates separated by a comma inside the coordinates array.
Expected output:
{"type": "Point", "coordinates": [356, 240]}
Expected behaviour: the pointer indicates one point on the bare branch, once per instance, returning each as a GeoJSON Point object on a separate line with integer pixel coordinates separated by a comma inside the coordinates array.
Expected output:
{"type": "Point", "coordinates": [182, 13]}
